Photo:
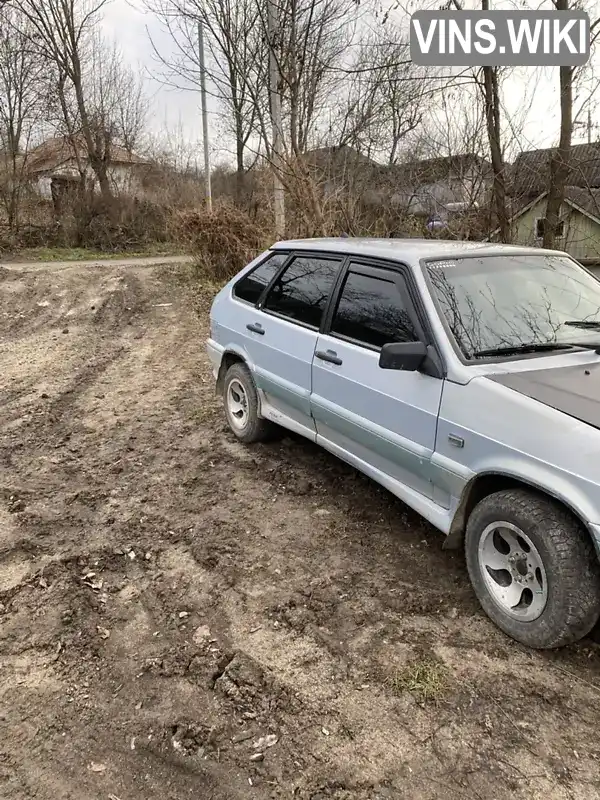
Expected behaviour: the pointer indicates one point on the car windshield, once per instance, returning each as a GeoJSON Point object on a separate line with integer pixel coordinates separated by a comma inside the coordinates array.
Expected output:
{"type": "Point", "coordinates": [508, 302]}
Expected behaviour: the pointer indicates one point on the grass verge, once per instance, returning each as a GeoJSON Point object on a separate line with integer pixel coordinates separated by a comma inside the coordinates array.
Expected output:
{"type": "Point", "coordinates": [84, 254]}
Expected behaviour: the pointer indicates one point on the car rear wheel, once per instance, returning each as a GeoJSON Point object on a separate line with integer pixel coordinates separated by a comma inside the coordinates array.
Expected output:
{"type": "Point", "coordinates": [534, 570]}
{"type": "Point", "coordinates": [242, 406]}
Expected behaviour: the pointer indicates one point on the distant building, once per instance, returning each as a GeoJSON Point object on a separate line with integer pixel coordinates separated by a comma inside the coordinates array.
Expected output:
{"type": "Point", "coordinates": [58, 163]}
{"type": "Point", "coordinates": [578, 230]}
{"type": "Point", "coordinates": [441, 186]}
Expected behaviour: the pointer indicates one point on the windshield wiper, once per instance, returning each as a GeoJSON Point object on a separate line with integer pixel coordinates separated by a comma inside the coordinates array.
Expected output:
{"type": "Point", "coordinates": [583, 323]}
{"type": "Point", "coordinates": [532, 347]}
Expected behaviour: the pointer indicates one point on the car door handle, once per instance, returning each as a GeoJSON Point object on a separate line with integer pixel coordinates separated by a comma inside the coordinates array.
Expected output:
{"type": "Point", "coordinates": [256, 328]}
{"type": "Point", "coordinates": [330, 356]}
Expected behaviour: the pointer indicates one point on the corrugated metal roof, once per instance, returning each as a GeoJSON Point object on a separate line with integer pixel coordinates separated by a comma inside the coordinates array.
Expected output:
{"type": "Point", "coordinates": [531, 170]}
{"type": "Point", "coordinates": [432, 170]}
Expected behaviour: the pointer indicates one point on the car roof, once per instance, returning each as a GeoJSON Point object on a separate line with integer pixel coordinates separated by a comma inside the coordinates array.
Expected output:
{"type": "Point", "coordinates": [411, 250]}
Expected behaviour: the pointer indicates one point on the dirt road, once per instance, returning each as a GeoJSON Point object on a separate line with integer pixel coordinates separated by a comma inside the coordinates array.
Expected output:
{"type": "Point", "coordinates": [181, 616]}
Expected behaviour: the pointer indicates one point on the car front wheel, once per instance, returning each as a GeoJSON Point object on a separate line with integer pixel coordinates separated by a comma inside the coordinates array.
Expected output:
{"type": "Point", "coordinates": [534, 570]}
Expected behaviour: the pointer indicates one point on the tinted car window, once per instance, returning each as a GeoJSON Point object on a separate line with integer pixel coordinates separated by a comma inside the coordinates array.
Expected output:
{"type": "Point", "coordinates": [371, 311]}
{"type": "Point", "coordinates": [302, 290]}
{"type": "Point", "coordinates": [251, 286]}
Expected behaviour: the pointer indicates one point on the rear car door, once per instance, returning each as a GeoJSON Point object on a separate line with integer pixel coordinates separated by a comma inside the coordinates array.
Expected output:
{"type": "Point", "coordinates": [281, 335]}
{"type": "Point", "coordinates": [385, 418]}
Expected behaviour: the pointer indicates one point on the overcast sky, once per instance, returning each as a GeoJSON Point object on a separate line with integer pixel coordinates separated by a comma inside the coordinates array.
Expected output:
{"type": "Point", "coordinates": [125, 22]}
{"type": "Point", "coordinates": [128, 25]}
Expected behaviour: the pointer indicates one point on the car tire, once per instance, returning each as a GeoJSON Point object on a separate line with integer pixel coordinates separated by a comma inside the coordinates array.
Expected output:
{"type": "Point", "coordinates": [242, 406]}
{"type": "Point", "coordinates": [518, 541]}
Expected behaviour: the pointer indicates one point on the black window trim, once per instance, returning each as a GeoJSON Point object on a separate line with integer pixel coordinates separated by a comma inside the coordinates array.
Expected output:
{"type": "Point", "coordinates": [341, 258]}
{"type": "Point", "coordinates": [262, 262]}
{"type": "Point", "coordinates": [410, 294]}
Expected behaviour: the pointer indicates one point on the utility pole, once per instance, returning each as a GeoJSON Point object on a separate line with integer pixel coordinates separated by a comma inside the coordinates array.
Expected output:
{"type": "Point", "coordinates": [204, 118]}
{"type": "Point", "coordinates": [275, 100]}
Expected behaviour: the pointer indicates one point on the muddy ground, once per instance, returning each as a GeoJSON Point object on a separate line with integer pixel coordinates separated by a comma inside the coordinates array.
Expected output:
{"type": "Point", "coordinates": [182, 616]}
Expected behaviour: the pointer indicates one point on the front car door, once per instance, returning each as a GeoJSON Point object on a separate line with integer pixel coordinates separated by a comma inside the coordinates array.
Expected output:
{"type": "Point", "coordinates": [383, 418]}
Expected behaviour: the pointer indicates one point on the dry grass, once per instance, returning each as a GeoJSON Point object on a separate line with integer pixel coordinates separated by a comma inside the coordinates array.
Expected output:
{"type": "Point", "coordinates": [427, 680]}
{"type": "Point", "coordinates": [86, 254]}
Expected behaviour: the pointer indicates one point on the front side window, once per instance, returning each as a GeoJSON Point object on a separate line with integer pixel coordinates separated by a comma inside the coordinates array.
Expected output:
{"type": "Point", "coordinates": [302, 290]}
{"type": "Point", "coordinates": [251, 286]}
{"type": "Point", "coordinates": [371, 311]}
{"type": "Point", "coordinates": [514, 301]}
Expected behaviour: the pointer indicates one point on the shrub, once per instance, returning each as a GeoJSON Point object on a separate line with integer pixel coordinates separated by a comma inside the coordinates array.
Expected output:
{"type": "Point", "coordinates": [221, 241]}
{"type": "Point", "coordinates": [127, 224]}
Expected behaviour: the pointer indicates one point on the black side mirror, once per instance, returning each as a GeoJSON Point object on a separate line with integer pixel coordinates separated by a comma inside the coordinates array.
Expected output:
{"type": "Point", "coordinates": [406, 356]}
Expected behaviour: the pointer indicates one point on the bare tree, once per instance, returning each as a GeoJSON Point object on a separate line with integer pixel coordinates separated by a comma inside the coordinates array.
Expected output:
{"type": "Point", "coordinates": [125, 102]}
{"type": "Point", "coordinates": [61, 31]}
{"type": "Point", "coordinates": [236, 63]}
{"type": "Point", "coordinates": [491, 95]}
{"type": "Point", "coordinates": [489, 83]}
{"type": "Point", "coordinates": [381, 99]}
{"type": "Point", "coordinates": [117, 103]}
{"type": "Point", "coordinates": [21, 107]}
{"type": "Point", "coordinates": [446, 165]}
{"type": "Point", "coordinates": [559, 162]}
{"type": "Point", "coordinates": [313, 37]}
{"type": "Point", "coordinates": [309, 44]}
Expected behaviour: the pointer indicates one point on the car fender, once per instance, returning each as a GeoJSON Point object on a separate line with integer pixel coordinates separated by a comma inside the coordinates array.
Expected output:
{"type": "Point", "coordinates": [241, 354]}
{"type": "Point", "coordinates": [509, 435]}
{"type": "Point", "coordinates": [560, 486]}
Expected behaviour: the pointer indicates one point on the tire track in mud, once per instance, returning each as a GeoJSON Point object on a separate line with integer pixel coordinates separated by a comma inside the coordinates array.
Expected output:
{"type": "Point", "coordinates": [95, 356]}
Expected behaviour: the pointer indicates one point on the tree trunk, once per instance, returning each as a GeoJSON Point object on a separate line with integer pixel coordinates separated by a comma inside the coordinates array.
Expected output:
{"type": "Point", "coordinates": [101, 173]}
{"type": "Point", "coordinates": [559, 164]}
{"type": "Point", "coordinates": [97, 159]}
{"type": "Point", "coordinates": [491, 95]}
{"type": "Point", "coordinates": [240, 173]}
{"type": "Point", "coordinates": [492, 116]}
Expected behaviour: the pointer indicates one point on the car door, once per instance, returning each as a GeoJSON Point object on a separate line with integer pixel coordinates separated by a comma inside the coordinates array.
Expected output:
{"type": "Point", "coordinates": [281, 335]}
{"type": "Point", "coordinates": [237, 312]}
{"type": "Point", "coordinates": [384, 418]}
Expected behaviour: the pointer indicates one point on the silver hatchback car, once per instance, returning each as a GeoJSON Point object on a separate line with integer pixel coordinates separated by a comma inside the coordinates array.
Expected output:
{"type": "Point", "coordinates": [463, 377]}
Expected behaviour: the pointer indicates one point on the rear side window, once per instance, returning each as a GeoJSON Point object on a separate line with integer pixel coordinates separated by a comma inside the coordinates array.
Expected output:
{"type": "Point", "coordinates": [303, 288]}
{"type": "Point", "coordinates": [250, 287]}
{"type": "Point", "coordinates": [371, 311]}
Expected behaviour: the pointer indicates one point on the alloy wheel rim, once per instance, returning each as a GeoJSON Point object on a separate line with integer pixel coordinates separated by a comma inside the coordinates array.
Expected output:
{"type": "Point", "coordinates": [237, 404]}
{"type": "Point", "coordinates": [513, 571]}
